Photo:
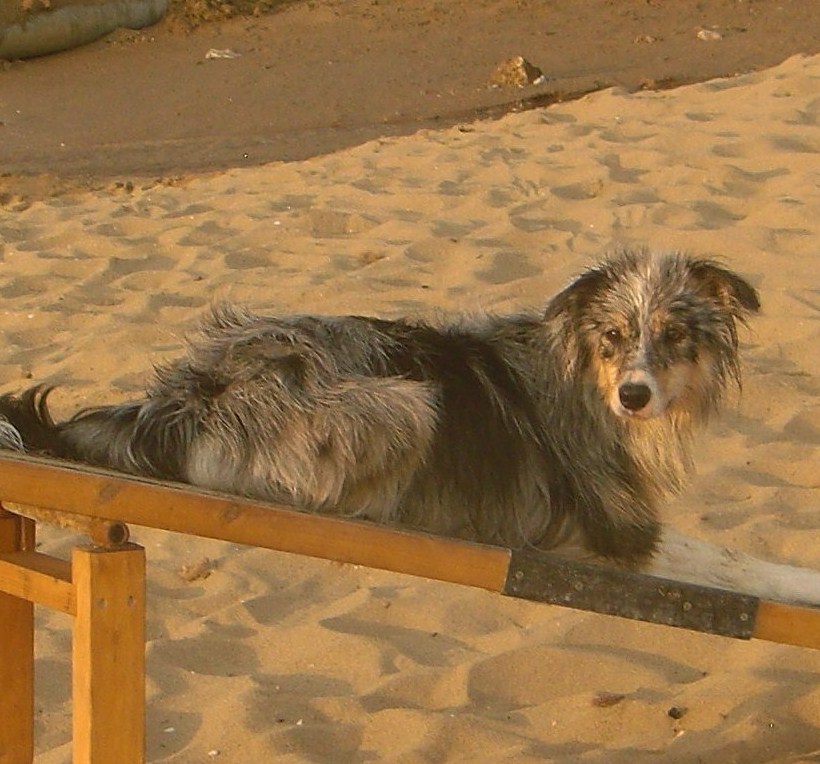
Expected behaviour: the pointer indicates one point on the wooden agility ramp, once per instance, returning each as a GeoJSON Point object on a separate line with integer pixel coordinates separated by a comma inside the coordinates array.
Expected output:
{"type": "Point", "coordinates": [103, 587]}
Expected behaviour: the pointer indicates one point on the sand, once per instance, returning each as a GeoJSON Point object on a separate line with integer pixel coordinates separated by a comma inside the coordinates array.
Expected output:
{"type": "Point", "coordinates": [316, 76]}
{"type": "Point", "coordinates": [275, 658]}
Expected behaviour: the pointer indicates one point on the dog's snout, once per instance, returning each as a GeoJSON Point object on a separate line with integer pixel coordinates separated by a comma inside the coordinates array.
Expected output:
{"type": "Point", "coordinates": [634, 396]}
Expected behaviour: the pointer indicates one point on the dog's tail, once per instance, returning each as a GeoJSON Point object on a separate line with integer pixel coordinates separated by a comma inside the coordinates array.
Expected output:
{"type": "Point", "coordinates": [143, 437]}
{"type": "Point", "coordinates": [26, 424]}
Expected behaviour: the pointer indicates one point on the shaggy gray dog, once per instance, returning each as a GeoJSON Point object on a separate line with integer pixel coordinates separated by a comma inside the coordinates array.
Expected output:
{"type": "Point", "coordinates": [560, 430]}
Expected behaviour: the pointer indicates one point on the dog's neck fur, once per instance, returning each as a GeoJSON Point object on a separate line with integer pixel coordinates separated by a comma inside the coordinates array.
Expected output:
{"type": "Point", "coordinates": [661, 450]}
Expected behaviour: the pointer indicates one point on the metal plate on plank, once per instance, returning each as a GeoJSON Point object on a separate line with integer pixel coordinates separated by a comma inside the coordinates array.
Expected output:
{"type": "Point", "coordinates": [548, 578]}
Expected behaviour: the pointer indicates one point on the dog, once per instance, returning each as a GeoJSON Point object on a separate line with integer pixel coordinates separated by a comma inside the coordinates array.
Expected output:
{"type": "Point", "coordinates": [560, 430]}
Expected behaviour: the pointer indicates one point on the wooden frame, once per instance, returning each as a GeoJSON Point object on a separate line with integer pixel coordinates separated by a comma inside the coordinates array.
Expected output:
{"type": "Point", "coordinates": [103, 587]}
{"type": "Point", "coordinates": [16, 652]}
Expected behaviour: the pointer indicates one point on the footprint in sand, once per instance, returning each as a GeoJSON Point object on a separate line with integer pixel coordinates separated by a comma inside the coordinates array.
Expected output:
{"type": "Point", "coordinates": [508, 266]}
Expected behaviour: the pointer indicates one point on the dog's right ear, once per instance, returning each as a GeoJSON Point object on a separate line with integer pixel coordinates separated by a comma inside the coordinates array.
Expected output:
{"type": "Point", "coordinates": [573, 299]}
{"type": "Point", "coordinates": [565, 314]}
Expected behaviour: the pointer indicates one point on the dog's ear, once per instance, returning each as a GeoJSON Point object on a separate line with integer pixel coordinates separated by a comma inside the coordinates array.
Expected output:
{"type": "Point", "coordinates": [573, 299]}
{"type": "Point", "coordinates": [565, 315]}
{"type": "Point", "coordinates": [730, 290]}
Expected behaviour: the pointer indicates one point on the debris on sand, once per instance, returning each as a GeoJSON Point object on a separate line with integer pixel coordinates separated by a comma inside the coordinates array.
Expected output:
{"type": "Point", "coordinates": [516, 72]}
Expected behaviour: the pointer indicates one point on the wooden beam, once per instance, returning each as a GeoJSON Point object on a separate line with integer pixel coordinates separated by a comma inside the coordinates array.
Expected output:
{"type": "Point", "coordinates": [788, 624]}
{"type": "Point", "coordinates": [101, 532]}
{"type": "Point", "coordinates": [16, 659]}
{"type": "Point", "coordinates": [108, 661]}
{"type": "Point", "coordinates": [184, 509]}
{"type": "Point", "coordinates": [530, 575]}
{"type": "Point", "coordinates": [38, 578]}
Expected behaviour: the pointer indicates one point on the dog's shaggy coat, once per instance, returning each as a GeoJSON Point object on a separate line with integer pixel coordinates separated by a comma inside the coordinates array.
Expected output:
{"type": "Point", "coordinates": [561, 430]}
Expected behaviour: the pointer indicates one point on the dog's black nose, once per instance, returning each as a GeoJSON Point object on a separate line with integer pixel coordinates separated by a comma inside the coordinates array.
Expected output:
{"type": "Point", "coordinates": [634, 396]}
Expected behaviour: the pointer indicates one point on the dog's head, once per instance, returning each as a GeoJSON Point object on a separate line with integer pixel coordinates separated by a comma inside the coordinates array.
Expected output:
{"type": "Point", "coordinates": [655, 334]}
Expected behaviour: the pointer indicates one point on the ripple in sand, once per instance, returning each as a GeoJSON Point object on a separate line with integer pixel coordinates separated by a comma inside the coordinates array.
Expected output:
{"type": "Point", "coordinates": [730, 150]}
{"type": "Point", "coordinates": [422, 647]}
{"type": "Point", "coordinates": [805, 426]}
{"type": "Point", "coordinates": [578, 192]}
{"type": "Point", "coordinates": [207, 234]}
{"type": "Point", "coordinates": [620, 174]}
{"type": "Point", "coordinates": [247, 259]}
{"type": "Point", "coordinates": [534, 224]}
{"type": "Point", "coordinates": [331, 223]}
{"type": "Point", "coordinates": [794, 144]}
{"type": "Point", "coordinates": [506, 267]}
{"type": "Point", "coordinates": [189, 211]}
{"type": "Point", "coordinates": [286, 698]}
{"type": "Point", "coordinates": [169, 732]}
{"type": "Point", "coordinates": [196, 655]}
{"type": "Point", "coordinates": [711, 215]}
{"type": "Point", "coordinates": [124, 266]}
{"type": "Point", "coordinates": [455, 230]}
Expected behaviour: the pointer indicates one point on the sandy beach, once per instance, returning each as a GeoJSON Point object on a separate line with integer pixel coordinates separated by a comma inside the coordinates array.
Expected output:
{"type": "Point", "coordinates": [255, 656]}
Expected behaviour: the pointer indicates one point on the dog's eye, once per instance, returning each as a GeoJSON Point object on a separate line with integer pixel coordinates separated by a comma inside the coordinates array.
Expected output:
{"type": "Point", "coordinates": [613, 336]}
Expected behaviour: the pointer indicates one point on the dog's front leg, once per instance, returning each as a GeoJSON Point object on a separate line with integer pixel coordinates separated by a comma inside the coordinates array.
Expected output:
{"type": "Point", "coordinates": [683, 558]}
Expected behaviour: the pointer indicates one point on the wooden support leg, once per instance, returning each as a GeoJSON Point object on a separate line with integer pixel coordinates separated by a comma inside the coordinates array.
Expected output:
{"type": "Point", "coordinates": [16, 656]}
{"type": "Point", "coordinates": [109, 655]}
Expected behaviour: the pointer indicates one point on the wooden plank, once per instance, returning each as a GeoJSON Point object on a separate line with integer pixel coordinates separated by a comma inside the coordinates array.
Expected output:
{"type": "Point", "coordinates": [788, 624]}
{"type": "Point", "coordinates": [38, 578]}
{"type": "Point", "coordinates": [16, 660]}
{"type": "Point", "coordinates": [28, 534]}
{"type": "Point", "coordinates": [82, 491]}
{"type": "Point", "coordinates": [183, 509]}
{"type": "Point", "coordinates": [109, 655]}
{"type": "Point", "coordinates": [614, 591]}
{"type": "Point", "coordinates": [102, 532]}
